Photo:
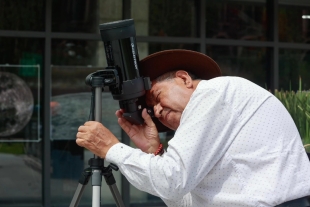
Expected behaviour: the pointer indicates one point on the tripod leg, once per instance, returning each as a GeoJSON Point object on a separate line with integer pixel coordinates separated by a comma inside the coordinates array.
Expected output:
{"type": "Point", "coordinates": [77, 196]}
{"type": "Point", "coordinates": [79, 190]}
{"type": "Point", "coordinates": [110, 180]}
{"type": "Point", "coordinates": [116, 195]}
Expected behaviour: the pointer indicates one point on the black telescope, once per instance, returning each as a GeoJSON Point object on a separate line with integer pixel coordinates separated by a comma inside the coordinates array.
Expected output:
{"type": "Point", "coordinates": [122, 73]}
{"type": "Point", "coordinates": [123, 78]}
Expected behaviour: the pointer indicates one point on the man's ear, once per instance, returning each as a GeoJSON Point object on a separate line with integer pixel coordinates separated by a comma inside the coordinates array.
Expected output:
{"type": "Point", "coordinates": [185, 77]}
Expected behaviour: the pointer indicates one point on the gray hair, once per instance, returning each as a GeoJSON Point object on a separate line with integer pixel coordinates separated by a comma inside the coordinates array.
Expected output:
{"type": "Point", "coordinates": [170, 75]}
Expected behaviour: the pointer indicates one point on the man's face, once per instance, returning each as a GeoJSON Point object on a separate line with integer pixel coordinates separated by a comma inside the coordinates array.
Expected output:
{"type": "Point", "coordinates": [169, 98]}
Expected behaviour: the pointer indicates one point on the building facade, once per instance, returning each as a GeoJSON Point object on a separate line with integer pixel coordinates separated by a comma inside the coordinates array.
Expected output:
{"type": "Point", "coordinates": [47, 48]}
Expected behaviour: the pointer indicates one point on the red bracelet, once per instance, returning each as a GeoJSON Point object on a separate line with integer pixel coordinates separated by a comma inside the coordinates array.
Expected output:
{"type": "Point", "coordinates": [160, 150]}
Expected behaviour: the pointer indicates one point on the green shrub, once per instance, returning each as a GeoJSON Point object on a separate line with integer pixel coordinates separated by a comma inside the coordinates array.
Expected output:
{"type": "Point", "coordinates": [298, 105]}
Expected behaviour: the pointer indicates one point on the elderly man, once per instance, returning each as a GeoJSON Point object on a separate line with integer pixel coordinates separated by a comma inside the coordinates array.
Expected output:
{"type": "Point", "coordinates": [234, 143]}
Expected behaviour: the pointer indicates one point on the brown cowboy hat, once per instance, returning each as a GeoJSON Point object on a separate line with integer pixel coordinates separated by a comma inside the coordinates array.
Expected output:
{"type": "Point", "coordinates": [156, 64]}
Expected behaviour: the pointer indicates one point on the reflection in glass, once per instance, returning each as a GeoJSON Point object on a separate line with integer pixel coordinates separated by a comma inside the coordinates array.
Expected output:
{"type": "Point", "coordinates": [236, 20]}
{"type": "Point", "coordinates": [21, 165]}
{"type": "Point", "coordinates": [20, 174]}
{"type": "Point", "coordinates": [24, 51]}
{"type": "Point", "coordinates": [78, 52]}
{"type": "Point", "coordinates": [165, 18]}
{"type": "Point", "coordinates": [246, 62]}
{"type": "Point", "coordinates": [156, 47]}
{"type": "Point", "coordinates": [21, 61]}
{"type": "Point", "coordinates": [16, 103]}
{"type": "Point", "coordinates": [292, 26]}
{"type": "Point", "coordinates": [146, 49]}
{"type": "Point", "coordinates": [81, 16]}
{"type": "Point", "coordinates": [294, 64]}
{"type": "Point", "coordinates": [22, 15]}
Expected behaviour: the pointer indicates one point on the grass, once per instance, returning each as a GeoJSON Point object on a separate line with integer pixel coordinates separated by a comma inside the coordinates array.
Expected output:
{"type": "Point", "coordinates": [298, 105]}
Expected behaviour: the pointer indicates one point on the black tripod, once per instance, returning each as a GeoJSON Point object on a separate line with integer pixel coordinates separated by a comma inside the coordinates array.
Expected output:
{"type": "Point", "coordinates": [97, 169]}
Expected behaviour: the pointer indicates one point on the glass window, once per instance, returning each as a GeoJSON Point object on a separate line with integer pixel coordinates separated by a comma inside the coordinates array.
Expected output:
{"type": "Point", "coordinates": [145, 49]}
{"type": "Point", "coordinates": [84, 16]}
{"type": "Point", "coordinates": [294, 64]}
{"type": "Point", "coordinates": [165, 17]}
{"type": "Point", "coordinates": [22, 15]}
{"type": "Point", "coordinates": [240, 20]}
{"type": "Point", "coordinates": [20, 175]}
{"type": "Point", "coordinates": [294, 21]}
{"type": "Point", "coordinates": [78, 52]}
{"type": "Point", "coordinates": [20, 88]}
{"type": "Point", "coordinates": [20, 126]}
{"type": "Point", "coordinates": [24, 51]}
{"type": "Point", "coordinates": [246, 62]}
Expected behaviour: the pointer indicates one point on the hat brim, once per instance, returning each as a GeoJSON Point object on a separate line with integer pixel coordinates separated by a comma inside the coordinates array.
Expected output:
{"type": "Point", "coordinates": [156, 64]}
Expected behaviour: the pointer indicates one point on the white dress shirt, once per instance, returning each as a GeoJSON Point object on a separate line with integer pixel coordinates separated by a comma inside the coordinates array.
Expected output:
{"type": "Point", "coordinates": [236, 146]}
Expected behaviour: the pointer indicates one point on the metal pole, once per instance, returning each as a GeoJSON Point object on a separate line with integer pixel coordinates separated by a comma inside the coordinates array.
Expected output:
{"type": "Point", "coordinates": [97, 174]}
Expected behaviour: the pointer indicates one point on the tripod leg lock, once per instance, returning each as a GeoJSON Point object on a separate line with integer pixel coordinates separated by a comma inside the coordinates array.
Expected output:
{"type": "Point", "coordinates": [109, 178]}
{"type": "Point", "coordinates": [85, 176]}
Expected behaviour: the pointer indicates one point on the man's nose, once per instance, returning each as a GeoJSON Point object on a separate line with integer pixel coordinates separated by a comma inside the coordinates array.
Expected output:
{"type": "Point", "coordinates": [158, 110]}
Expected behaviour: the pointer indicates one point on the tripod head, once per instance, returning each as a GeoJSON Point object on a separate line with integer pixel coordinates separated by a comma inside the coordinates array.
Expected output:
{"type": "Point", "coordinates": [122, 74]}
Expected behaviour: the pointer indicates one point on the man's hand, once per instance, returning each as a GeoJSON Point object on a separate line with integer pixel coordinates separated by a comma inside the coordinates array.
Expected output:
{"type": "Point", "coordinates": [144, 136]}
{"type": "Point", "coordinates": [96, 138]}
